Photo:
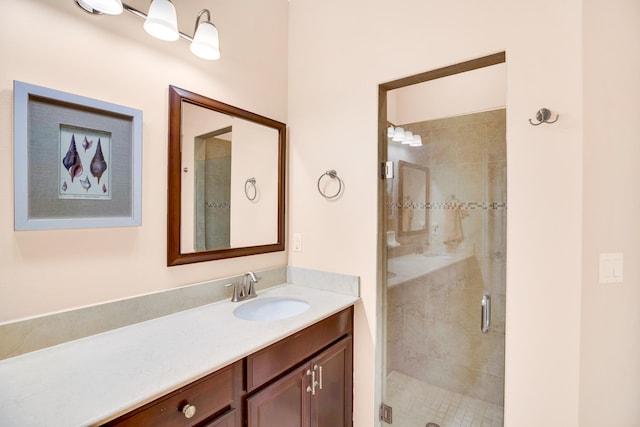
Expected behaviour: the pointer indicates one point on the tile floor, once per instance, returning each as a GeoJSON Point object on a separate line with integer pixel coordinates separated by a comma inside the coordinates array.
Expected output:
{"type": "Point", "coordinates": [416, 403]}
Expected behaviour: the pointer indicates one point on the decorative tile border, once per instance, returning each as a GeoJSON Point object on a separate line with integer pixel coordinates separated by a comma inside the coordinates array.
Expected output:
{"type": "Point", "coordinates": [448, 205]}
{"type": "Point", "coordinates": [224, 205]}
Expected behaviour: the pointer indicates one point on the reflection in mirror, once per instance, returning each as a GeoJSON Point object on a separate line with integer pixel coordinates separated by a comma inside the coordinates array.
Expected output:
{"type": "Point", "coordinates": [414, 194]}
{"type": "Point", "coordinates": [215, 151]}
{"type": "Point", "coordinates": [212, 191]}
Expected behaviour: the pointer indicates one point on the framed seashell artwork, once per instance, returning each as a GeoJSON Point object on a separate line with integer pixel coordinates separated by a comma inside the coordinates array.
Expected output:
{"type": "Point", "coordinates": [77, 161]}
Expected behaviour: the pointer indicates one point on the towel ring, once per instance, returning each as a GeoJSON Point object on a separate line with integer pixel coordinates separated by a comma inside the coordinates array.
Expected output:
{"type": "Point", "coordinates": [333, 175]}
{"type": "Point", "coordinates": [248, 185]}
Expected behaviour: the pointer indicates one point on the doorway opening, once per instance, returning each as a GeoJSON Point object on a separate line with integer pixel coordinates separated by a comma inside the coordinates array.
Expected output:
{"type": "Point", "coordinates": [442, 245]}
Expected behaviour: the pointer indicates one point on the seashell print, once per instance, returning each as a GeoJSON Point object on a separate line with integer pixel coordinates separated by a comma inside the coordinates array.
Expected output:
{"type": "Point", "coordinates": [86, 184]}
{"type": "Point", "coordinates": [71, 160]}
{"type": "Point", "coordinates": [104, 188]}
{"type": "Point", "coordinates": [98, 165]}
{"type": "Point", "coordinates": [86, 144]}
{"type": "Point", "coordinates": [64, 186]}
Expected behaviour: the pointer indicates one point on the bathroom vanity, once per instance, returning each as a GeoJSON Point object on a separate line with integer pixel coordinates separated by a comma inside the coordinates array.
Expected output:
{"type": "Point", "coordinates": [309, 373]}
{"type": "Point", "coordinates": [203, 366]}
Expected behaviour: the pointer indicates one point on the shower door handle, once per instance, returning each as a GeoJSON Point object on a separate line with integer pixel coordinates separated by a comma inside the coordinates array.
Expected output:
{"type": "Point", "coordinates": [485, 322]}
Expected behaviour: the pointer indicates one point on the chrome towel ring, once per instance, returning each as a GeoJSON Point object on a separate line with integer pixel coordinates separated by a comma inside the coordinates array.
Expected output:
{"type": "Point", "coordinates": [250, 186]}
{"type": "Point", "coordinates": [333, 175]}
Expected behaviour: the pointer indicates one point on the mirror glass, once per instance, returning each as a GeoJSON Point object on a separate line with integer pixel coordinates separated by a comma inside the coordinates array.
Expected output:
{"type": "Point", "coordinates": [414, 195]}
{"type": "Point", "coordinates": [226, 181]}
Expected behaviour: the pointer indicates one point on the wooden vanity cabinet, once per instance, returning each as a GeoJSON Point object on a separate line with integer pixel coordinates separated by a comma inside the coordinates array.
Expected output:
{"type": "Point", "coordinates": [214, 399]}
{"type": "Point", "coordinates": [304, 380]}
{"type": "Point", "coordinates": [315, 390]}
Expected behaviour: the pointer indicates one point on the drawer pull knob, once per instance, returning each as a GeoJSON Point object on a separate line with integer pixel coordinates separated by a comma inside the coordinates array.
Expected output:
{"type": "Point", "coordinates": [189, 410]}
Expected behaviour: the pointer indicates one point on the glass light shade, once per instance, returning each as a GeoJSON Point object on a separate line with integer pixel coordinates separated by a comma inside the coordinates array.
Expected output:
{"type": "Point", "coordinates": [161, 21]}
{"type": "Point", "coordinates": [417, 141]}
{"type": "Point", "coordinates": [408, 137]}
{"type": "Point", "coordinates": [109, 7]}
{"type": "Point", "coordinates": [398, 135]}
{"type": "Point", "coordinates": [390, 131]}
{"type": "Point", "coordinates": [205, 42]}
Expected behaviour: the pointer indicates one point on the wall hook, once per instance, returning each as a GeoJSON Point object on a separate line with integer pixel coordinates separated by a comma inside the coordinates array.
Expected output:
{"type": "Point", "coordinates": [542, 116]}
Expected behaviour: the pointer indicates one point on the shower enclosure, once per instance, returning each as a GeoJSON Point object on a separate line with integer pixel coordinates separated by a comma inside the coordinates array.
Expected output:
{"type": "Point", "coordinates": [443, 247]}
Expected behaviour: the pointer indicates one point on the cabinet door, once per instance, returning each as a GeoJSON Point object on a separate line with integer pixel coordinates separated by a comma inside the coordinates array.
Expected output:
{"type": "Point", "coordinates": [284, 403]}
{"type": "Point", "coordinates": [332, 405]}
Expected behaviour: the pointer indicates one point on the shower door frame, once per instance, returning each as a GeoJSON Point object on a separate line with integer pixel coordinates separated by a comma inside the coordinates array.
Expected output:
{"type": "Point", "coordinates": [383, 89]}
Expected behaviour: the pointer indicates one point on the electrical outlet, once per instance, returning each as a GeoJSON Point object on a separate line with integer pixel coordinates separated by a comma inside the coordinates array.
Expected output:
{"type": "Point", "coordinates": [611, 268]}
{"type": "Point", "coordinates": [297, 242]}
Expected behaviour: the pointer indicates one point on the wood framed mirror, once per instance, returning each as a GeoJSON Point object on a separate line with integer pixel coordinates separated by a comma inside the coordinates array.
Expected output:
{"type": "Point", "coordinates": [414, 198]}
{"type": "Point", "coordinates": [226, 174]}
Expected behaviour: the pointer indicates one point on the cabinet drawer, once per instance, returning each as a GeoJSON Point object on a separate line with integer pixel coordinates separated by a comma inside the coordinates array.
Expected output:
{"type": "Point", "coordinates": [230, 419]}
{"type": "Point", "coordinates": [270, 362]}
{"type": "Point", "coordinates": [211, 395]}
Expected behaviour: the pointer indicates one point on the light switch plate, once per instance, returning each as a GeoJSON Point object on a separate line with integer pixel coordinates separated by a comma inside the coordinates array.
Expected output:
{"type": "Point", "coordinates": [611, 268]}
{"type": "Point", "coordinates": [297, 242]}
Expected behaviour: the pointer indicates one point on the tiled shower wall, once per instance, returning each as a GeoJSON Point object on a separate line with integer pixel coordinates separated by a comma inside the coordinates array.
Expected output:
{"type": "Point", "coordinates": [466, 157]}
{"type": "Point", "coordinates": [434, 332]}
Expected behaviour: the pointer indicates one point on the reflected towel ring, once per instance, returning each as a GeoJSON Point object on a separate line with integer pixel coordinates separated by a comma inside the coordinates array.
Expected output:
{"type": "Point", "coordinates": [542, 116]}
{"type": "Point", "coordinates": [333, 175]}
{"type": "Point", "coordinates": [248, 185]}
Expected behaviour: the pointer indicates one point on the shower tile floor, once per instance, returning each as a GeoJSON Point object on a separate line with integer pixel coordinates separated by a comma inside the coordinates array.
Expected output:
{"type": "Point", "coordinates": [416, 403]}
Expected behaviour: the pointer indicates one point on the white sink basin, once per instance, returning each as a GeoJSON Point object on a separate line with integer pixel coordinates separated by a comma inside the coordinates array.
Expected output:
{"type": "Point", "coordinates": [271, 308]}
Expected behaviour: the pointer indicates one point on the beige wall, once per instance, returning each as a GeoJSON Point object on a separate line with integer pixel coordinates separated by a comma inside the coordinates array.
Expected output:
{"type": "Point", "coordinates": [55, 44]}
{"type": "Point", "coordinates": [560, 346]}
{"type": "Point", "coordinates": [610, 346]}
{"type": "Point", "coordinates": [338, 53]}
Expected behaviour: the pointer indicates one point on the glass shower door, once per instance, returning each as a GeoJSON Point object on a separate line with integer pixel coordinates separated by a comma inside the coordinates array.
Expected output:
{"type": "Point", "coordinates": [445, 227]}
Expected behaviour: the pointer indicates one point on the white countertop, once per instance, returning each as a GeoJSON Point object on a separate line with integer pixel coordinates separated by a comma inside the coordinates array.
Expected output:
{"type": "Point", "coordinates": [88, 381]}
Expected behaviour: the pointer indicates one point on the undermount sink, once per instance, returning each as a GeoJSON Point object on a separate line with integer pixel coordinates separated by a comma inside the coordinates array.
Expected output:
{"type": "Point", "coordinates": [271, 308]}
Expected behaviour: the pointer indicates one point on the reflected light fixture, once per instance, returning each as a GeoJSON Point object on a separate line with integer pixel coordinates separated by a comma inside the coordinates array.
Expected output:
{"type": "Point", "coordinates": [161, 22]}
{"type": "Point", "coordinates": [406, 137]}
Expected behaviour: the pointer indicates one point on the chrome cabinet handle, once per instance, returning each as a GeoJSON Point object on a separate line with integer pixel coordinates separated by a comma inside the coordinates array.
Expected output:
{"type": "Point", "coordinates": [312, 388]}
{"type": "Point", "coordinates": [486, 312]}
{"type": "Point", "coordinates": [319, 375]}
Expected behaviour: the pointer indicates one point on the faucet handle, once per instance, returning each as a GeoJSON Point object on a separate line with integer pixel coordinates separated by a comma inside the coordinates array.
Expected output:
{"type": "Point", "coordinates": [236, 291]}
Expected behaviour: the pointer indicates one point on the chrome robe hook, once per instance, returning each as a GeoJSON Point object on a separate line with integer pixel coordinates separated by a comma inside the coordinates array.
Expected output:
{"type": "Point", "coordinates": [542, 116]}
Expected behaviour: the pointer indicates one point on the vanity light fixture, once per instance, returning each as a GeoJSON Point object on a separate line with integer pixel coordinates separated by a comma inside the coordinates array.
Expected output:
{"type": "Point", "coordinates": [161, 22]}
{"type": "Point", "coordinates": [205, 42]}
{"type": "Point", "coordinates": [108, 7]}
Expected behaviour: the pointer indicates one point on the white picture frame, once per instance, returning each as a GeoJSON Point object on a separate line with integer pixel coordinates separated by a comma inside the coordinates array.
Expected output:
{"type": "Point", "coordinates": [49, 164]}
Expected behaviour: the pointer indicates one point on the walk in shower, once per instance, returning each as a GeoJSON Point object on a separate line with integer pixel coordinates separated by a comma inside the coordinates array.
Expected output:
{"type": "Point", "coordinates": [443, 246]}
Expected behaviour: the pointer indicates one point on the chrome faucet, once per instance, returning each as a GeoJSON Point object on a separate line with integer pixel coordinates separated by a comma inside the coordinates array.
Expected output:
{"type": "Point", "coordinates": [246, 289]}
